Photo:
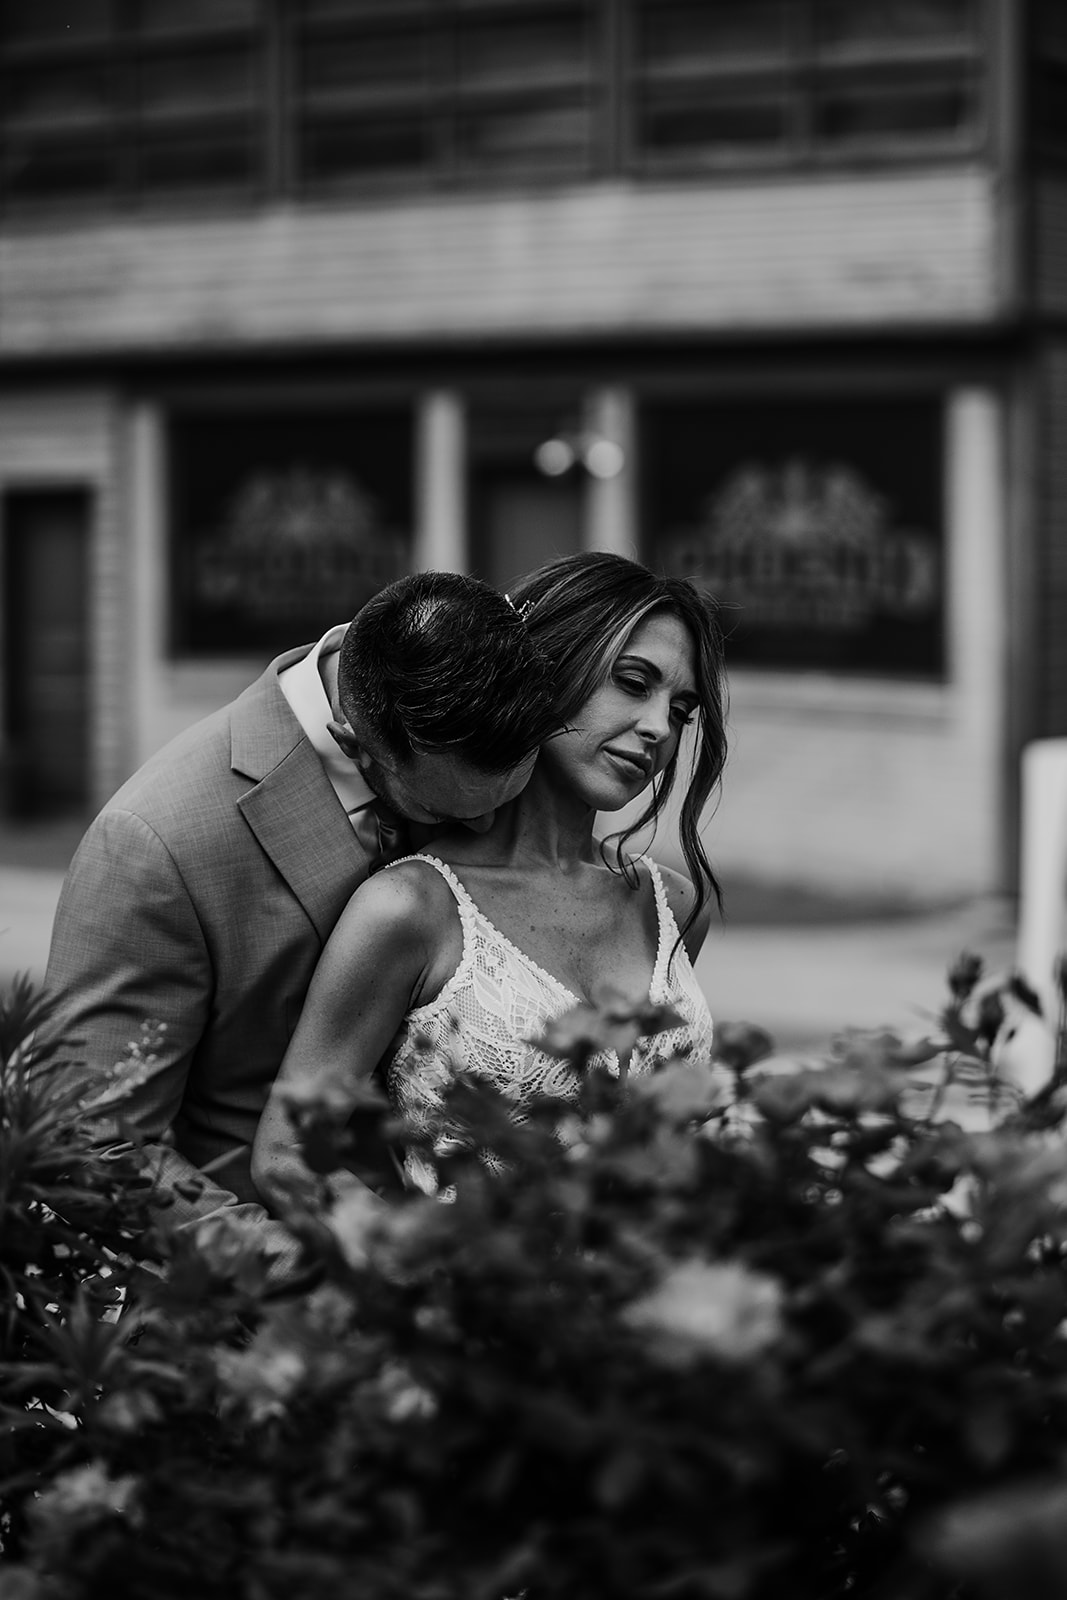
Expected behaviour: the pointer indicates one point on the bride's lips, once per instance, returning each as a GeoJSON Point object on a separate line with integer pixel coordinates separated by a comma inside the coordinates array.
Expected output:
{"type": "Point", "coordinates": [637, 766]}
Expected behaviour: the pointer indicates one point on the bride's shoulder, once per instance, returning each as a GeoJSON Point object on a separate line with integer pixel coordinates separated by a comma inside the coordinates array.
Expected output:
{"type": "Point", "coordinates": [410, 892]}
{"type": "Point", "coordinates": [414, 881]}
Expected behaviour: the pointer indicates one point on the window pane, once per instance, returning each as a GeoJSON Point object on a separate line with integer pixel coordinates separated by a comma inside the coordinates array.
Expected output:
{"type": "Point", "coordinates": [693, 37]}
{"type": "Point", "coordinates": [58, 97]}
{"type": "Point", "coordinates": [328, 10]}
{"type": "Point", "coordinates": [860, 110]}
{"type": "Point", "coordinates": [553, 134]}
{"type": "Point", "coordinates": [353, 149]}
{"type": "Point", "coordinates": [173, 16]}
{"type": "Point", "coordinates": [190, 86]}
{"type": "Point", "coordinates": [27, 21]}
{"type": "Point", "coordinates": [379, 60]}
{"type": "Point", "coordinates": [211, 162]}
{"type": "Point", "coordinates": [894, 21]}
{"type": "Point", "coordinates": [672, 129]}
{"type": "Point", "coordinates": [1050, 105]}
{"type": "Point", "coordinates": [57, 172]}
{"type": "Point", "coordinates": [1050, 25]}
{"type": "Point", "coordinates": [501, 55]}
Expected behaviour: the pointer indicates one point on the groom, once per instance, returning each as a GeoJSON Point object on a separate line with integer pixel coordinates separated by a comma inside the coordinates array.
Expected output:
{"type": "Point", "coordinates": [203, 893]}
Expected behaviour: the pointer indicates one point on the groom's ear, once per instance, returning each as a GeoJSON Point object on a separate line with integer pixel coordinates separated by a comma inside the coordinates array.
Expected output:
{"type": "Point", "coordinates": [346, 740]}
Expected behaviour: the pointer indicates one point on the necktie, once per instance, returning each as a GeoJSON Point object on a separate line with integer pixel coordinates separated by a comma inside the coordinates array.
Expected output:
{"type": "Point", "coordinates": [380, 831]}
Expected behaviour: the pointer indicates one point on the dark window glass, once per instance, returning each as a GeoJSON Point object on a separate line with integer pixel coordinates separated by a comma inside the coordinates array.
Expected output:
{"type": "Point", "coordinates": [538, 134]}
{"type": "Point", "coordinates": [49, 100]}
{"type": "Point", "coordinates": [335, 10]}
{"type": "Point", "coordinates": [818, 525]}
{"type": "Point", "coordinates": [55, 21]}
{"type": "Point", "coordinates": [1050, 106]}
{"type": "Point", "coordinates": [195, 86]}
{"type": "Point", "coordinates": [882, 110]}
{"type": "Point", "coordinates": [1050, 26]}
{"type": "Point", "coordinates": [376, 144]}
{"type": "Point", "coordinates": [693, 38]}
{"type": "Point", "coordinates": [208, 162]}
{"type": "Point", "coordinates": [889, 22]}
{"type": "Point", "coordinates": [57, 172]}
{"type": "Point", "coordinates": [284, 524]}
{"type": "Point", "coordinates": [727, 124]}
{"type": "Point", "coordinates": [381, 60]}
{"type": "Point", "coordinates": [717, 82]}
{"type": "Point", "coordinates": [522, 54]}
{"type": "Point", "coordinates": [176, 16]}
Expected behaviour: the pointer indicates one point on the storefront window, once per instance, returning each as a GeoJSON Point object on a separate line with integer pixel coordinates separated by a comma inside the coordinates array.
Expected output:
{"type": "Point", "coordinates": [817, 525]}
{"type": "Point", "coordinates": [283, 525]}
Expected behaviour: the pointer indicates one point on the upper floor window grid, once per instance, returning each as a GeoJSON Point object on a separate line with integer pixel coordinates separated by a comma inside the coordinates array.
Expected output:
{"type": "Point", "coordinates": [133, 99]}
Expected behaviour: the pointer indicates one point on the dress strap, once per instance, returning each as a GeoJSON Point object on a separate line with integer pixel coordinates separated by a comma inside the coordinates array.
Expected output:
{"type": "Point", "coordinates": [468, 913]}
{"type": "Point", "coordinates": [667, 927]}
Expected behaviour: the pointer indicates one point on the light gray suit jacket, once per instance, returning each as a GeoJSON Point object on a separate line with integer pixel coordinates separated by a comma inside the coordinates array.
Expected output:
{"type": "Point", "coordinates": [201, 897]}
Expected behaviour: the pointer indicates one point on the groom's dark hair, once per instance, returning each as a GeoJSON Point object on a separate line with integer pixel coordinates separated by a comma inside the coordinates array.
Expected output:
{"type": "Point", "coordinates": [442, 663]}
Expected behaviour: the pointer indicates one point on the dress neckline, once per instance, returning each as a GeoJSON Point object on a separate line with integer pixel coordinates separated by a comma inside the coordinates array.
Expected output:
{"type": "Point", "coordinates": [463, 894]}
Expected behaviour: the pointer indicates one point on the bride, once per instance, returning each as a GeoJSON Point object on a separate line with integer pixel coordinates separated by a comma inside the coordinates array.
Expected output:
{"type": "Point", "coordinates": [466, 952]}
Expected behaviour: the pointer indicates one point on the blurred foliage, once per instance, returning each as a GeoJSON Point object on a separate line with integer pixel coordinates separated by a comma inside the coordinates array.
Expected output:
{"type": "Point", "coordinates": [808, 1339]}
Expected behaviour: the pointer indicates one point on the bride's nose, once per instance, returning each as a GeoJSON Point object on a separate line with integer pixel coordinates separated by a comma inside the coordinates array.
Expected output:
{"type": "Point", "coordinates": [654, 722]}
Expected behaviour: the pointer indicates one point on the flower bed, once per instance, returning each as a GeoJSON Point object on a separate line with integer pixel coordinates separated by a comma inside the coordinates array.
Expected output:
{"type": "Point", "coordinates": [805, 1342]}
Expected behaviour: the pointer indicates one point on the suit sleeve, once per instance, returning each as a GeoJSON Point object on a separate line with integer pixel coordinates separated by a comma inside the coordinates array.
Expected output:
{"type": "Point", "coordinates": [128, 949]}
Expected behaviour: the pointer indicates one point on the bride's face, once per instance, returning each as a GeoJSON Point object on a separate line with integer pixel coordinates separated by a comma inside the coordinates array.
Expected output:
{"type": "Point", "coordinates": [629, 728]}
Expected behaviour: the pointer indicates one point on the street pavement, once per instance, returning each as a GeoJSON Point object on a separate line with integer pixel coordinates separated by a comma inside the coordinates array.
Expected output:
{"type": "Point", "coordinates": [806, 983]}
{"type": "Point", "coordinates": [802, 982]}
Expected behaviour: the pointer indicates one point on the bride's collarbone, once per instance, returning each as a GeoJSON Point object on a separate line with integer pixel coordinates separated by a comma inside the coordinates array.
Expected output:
{"type": "Point", "coordinates": [587, 934]}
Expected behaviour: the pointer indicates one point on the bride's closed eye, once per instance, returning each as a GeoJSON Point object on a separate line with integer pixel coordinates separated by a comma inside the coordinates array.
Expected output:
{"type": "Point", "coordinates": [682, 713]}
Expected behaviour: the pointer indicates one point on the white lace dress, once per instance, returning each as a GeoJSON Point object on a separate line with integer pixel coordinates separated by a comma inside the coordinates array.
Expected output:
{"type": "Point", "coordinates": [498, 998]}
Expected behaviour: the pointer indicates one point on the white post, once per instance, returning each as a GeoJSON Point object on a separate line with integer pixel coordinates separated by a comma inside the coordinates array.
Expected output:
{"type": "Point", "coordinates": [977, 609]}
{"type": "Point", "coordinates": [1042, 866]}
{"type": "Point", "coordinates": [440, 538]}
{"type": "Point", "coordinates": [145, 536]}
{"type": "Point", "coordinates": [610, 520]}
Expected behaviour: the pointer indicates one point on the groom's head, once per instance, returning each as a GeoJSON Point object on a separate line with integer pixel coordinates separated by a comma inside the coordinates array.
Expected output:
{"type": "Point", "coordinates": [443, 696]}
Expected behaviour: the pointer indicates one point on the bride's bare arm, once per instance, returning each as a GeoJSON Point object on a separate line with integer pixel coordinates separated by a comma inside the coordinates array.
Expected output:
{"type": "Point", "coordinates": [372, 972]}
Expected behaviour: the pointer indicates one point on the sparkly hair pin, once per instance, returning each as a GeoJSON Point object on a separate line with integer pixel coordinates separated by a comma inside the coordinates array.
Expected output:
{"type": "Point", "coordinates": [523, 611]}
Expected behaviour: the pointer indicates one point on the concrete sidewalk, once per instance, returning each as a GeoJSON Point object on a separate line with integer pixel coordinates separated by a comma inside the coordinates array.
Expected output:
{"type": "Point", "coordinates": [804, 984]}
{"type": "Point", "coordinates": [800, 982]}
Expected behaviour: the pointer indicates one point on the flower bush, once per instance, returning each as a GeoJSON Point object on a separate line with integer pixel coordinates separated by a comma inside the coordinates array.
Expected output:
{"type": "Point", "coordinates": [808, 1339]}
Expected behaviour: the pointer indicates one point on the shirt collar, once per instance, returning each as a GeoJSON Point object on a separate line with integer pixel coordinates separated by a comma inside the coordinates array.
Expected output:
{"type": "Point", "coordinates": [303, 687]}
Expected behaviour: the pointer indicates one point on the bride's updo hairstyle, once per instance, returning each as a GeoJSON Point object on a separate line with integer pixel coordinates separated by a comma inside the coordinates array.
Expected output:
{"type": "Point", "coordinates": [580, 611]}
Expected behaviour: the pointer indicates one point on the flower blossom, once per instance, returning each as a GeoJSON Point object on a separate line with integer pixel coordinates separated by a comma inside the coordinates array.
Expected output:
{"type": "Point", "coordinates": [700, 1309]}
{"type": "Point", "coordinates": [262, 1378]}
{"type": "Point", "coordinates": [405, 1399]}
{"type": "Point", "coordinates": [356, 1215]}
{"type": "Point", "coordinates": [79, 1497]}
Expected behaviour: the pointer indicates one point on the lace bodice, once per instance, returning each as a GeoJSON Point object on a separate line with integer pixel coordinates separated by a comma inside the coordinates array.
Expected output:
{"type": "Point", "coordinates": [498, 997]}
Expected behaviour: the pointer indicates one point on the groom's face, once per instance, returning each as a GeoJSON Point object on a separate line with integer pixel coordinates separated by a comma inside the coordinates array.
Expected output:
{"type": "Point", "coordinates": [434, 788]}
{"type": "Point", "coordinates": [439, 789]}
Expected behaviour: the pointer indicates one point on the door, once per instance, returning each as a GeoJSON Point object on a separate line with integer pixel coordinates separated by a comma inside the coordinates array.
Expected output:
{"type": "Point", "coordinates": [523, 520]}
{"type": "Point", "coordinates": [46, 652]}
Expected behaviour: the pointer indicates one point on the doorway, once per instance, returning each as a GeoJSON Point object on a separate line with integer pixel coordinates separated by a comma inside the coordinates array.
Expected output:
{"type": "Point", "coordinates": [519, 517]}
{"type": "Point", "coordinates": [44, 575]}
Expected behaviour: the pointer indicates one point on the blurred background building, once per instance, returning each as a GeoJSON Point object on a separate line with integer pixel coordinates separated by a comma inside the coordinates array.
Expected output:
{"type": "Point", "coordinates": [296, 295]}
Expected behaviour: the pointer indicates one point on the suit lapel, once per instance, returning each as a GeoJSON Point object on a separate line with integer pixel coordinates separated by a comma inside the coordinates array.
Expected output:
{"type": "Point", "coordinates": [293, 809]}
